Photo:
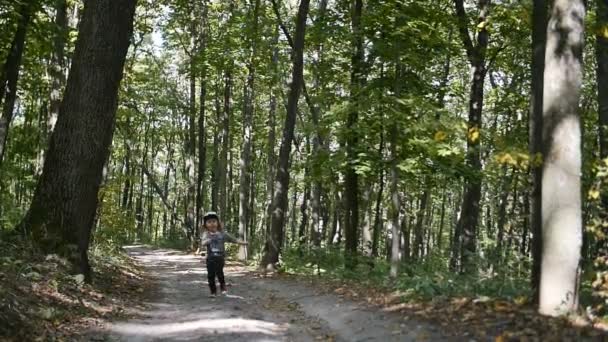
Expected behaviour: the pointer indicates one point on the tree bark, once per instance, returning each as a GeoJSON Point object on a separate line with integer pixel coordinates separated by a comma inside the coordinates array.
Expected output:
{"type": "Point", "coordinates": [249, 94]}
{"type": "Point", "coordinates": [63, 208]}
{"type": "Point", "coordinates": [279, 199]}
{"type": "Point", "coordinates": [351, 182]}
{"type": "Point", "coordinates": [378, 210]}
{"type": "Point", "coordinates": [57, 63]}
{"type": "Point", "coordinates": [561, 185]}
{"type": "Point", "coordinates": [419, 229]}
{"type": "Point", "coordinates": [10, 74]}
{"type": "Point", "coordinates": [222, 172]}
{"type": "Point", "coordinates": [539, 37]}
{"type": "Point", "coordinates": [469, 217]}
{"type": "Point", "coordinates": [395, 203]}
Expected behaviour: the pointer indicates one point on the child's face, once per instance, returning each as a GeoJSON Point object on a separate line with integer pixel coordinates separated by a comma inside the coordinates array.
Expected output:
{"type": "Point", "coordinates": [212, 224]}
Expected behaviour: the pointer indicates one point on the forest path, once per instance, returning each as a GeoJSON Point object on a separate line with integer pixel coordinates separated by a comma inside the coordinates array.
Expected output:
{"type": "Point", "coordinates": [255, 309]}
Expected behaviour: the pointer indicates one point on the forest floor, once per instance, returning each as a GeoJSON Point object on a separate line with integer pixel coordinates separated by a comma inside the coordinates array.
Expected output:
{"type": "Point", "coordinates": [162, 295]}
{"type": "Point", "coordinates": [257, 308]}
{"type": "Point", "coordinates": [293, 308]}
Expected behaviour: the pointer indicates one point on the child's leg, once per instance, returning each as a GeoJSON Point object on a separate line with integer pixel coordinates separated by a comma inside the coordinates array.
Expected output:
{"type": "Point", "coordinates": [211, 272]}
{"type": "Point", "coordinates": [220, 274]}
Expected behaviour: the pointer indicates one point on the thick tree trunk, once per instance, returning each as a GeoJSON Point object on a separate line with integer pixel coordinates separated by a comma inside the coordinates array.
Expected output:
{"type": "Point", "coordinates": [469, 217]}
{"type": "Point", "coordinates": [561, 186]}
{"type": "Point", "coordinates": [10, 75]}
{"type": "Point", "coordinates": [539, 36]}
{"type": "Point", "coordinates": [279, 199]}
{"type": "Point", "coordinates": [351, 182]}
{"type": "Point", "coordinates": [64, 204]}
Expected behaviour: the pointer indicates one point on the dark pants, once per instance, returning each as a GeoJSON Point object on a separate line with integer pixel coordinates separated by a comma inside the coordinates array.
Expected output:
{"type": "Point", "coordinates": [215, 267]}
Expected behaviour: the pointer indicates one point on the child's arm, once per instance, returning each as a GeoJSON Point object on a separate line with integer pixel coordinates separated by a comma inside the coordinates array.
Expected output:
{"type": "Point", "coordinates": [205, 240]}
{"type": "Point", "coordinates": [230, 238]}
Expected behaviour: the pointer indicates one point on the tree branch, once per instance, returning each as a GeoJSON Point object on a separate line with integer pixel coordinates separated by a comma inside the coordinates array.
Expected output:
{"type": "Point", "coordinates": [461, 15]}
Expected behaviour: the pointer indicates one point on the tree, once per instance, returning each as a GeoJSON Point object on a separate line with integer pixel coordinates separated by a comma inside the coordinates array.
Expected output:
{"type": "Point", "coordinates": [10, 73]}
{"type": "Point", "coordinates": [539, 33]}
{"type": "Point", "coordinates": [561, 198]}
{"type": "Point", "coordinates": [466, 229]}
{"type": "Point", "coordinates": [351, 183]}
{"type": "Point", "coordinates": [249, 94]}
{"type": "Point", "coordinates": [65, 201]}
{"type": "Point", "coordinates": [274, 240]}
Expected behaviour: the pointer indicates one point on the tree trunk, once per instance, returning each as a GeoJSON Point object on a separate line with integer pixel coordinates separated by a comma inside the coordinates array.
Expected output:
{"type": "Point", "coordinates": [469, 217]}
{"type": "Point", "coordinates": [419, 229]}
{"type": "Point", "coordinates": [190, 149]}
{"type": "Point", "coordinates": [64, 204]}
{"type": "Point", "coordinates": [304, 210]}
{"type": "Point", "coordinates": [394, 202]}
{"type": "Point", "coordinates": [441, 222]}
{"type": "Point", "coordinates": [535, 123]}
{"type": "Point", "coordinates": [217, 141]}
{"type": "Point", "coordinates": [561, 197]}
{"type": "Point", "coordinates": [502, 211]}
{"type": "Point", "coordinates": [378, 210]}
{"type": "Point", "coordinates": [222, 172]}
{"type": "Point", "coordinates": [366, 230]}
{"type": "Point", "coordinates": [279, 198]}
{"type": "Point", "coordinates": [351, 183]}
{"type": "Point", "coordinates": [245, 179]}
{"type": "Point", "coordinates": [271, 142]}
{"type": "Point", "coordinates": [10, 75]}
{"type": "Point", "coordinates": [57, 63]}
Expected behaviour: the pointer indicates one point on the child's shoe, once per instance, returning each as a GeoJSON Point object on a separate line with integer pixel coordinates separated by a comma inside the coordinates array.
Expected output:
{"type": "Point", "coordinates": [212, 295]}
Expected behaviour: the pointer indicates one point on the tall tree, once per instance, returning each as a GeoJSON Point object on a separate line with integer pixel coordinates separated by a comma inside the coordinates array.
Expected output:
{"type": "Point", "coordinates": [10, 73]}
{"type": "Point", "coordinates": [539, 36]}
{"type": "Point", "coordinates": [249, 93]}
{"type": "Point", "coordinates": [65, 201]}
{"type": "Point", "coordinates": [351, 182]}
{"type": "Point", "coordinates": [601, 51]}
{"type": "Point", "coordinates": [274, 240]}
{"type": "Point", "coordinates": [561, 197]}
{"type": "Point", "coordinates": [202, 136]}
{"type": "Point", "coordinates": [466, 229]}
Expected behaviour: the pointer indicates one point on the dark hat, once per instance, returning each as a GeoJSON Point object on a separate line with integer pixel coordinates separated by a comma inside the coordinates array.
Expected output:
{"type": "Point", "coordinates": [210, 215]}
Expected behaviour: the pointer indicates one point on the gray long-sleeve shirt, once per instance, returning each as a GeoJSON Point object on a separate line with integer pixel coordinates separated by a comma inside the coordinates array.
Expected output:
{"type": "Point", "coordinates": [215, 242]}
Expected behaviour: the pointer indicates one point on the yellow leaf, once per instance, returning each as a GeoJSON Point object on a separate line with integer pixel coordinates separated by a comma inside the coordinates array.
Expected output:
{"type": "Point", "coordinates": [521, 300]}
{"type": "Point", "coordinates": [603, 31]}
{"type": "Point", "coordinates": [482, 25]}
{"type": "Point", "coordinates": [506, 158]}
{"type": "Point", "coordinates": [594, 194]}
{"type": "Point", "coordinates": [440, 136]}
{"type": "Point", "coordinates": [473, 134]}
{"type": "Point", "coordinates": [500, 338]}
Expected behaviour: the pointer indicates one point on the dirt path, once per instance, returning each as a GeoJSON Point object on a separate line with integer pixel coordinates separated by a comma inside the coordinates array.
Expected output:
{"type": "Point", "coordinates": [256, 309]}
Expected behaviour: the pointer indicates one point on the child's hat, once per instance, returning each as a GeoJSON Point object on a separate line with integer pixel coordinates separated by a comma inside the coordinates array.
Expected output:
{"type": "Point", "coordinates": [210, 215]}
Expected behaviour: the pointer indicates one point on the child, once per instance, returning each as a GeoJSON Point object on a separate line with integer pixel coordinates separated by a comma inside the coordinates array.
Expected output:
{"type": "Point", "coordinates": [214, 238]}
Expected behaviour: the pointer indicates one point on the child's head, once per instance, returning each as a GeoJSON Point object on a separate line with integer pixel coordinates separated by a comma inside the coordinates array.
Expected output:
{"type": "Point", "coordinates": [211, 221]}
